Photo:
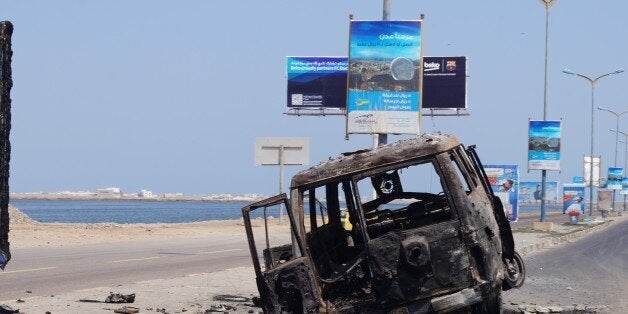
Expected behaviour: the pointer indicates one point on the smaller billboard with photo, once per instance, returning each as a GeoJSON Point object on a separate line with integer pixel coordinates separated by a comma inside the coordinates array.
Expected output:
{"type": "Point", "coordinates": [624, 186]}
{"type": "Point", "coordinates": [544, 145]}
{"type": "Point", "coordinates": [504, 180]}
{"type": "Point", "coordinates": [319, 82]}
{"type": "Point", "coordinates": [604, 200]}
{"type": "Point", "coordinates": [615, 176]}
{"type": "Point", "coordinates": [530, 192]}
{"type": "Point", "coordinates": [573, 197]}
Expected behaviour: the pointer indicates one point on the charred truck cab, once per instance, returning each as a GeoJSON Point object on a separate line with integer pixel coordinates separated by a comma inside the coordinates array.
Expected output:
{"type": "Point", "coordinates": [431, 238]}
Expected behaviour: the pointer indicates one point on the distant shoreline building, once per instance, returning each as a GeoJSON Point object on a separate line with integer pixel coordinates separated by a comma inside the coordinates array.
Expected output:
{"type": "Point", "coordinates": [109, 192]}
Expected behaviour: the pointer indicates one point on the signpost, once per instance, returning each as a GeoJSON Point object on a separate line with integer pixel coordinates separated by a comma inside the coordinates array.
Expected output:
{"type": "Point", "coordinates": [281, 151]}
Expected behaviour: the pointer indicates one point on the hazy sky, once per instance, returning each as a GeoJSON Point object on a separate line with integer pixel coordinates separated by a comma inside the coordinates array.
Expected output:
{"type": "Point", "coordinates": [169, 95]}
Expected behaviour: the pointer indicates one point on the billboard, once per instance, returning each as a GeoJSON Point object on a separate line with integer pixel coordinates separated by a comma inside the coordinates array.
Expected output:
{"type": "Point", "coordinates": [530, 192]}
{"type": "Point", "coordinates": [504, 180]}
{"type": "Point", "coordinates": [318, 82]}
{"type": "Point", "coordinates": [604, 200]}
{"type": "Point", "coordinates": [573, 197]}
{"type": "Point", "coordinates": [597, 161]}
{"type": "Point", "coordinates": [614, 181]}
{"type": "Point", "coordinates": [275, 151]}
{"type": "Point", "coordinates": [624, 186]}
{"type": "Point", "coordinates": [444, 83]}
{"type": "Point", "coordinates": [384, 77]}
{"type": "Point", "coordinates": [544, 145]}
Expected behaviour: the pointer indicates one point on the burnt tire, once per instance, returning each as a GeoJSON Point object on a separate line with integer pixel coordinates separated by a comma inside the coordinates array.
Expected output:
{"type": "Point", "coordinates": [515, 272]}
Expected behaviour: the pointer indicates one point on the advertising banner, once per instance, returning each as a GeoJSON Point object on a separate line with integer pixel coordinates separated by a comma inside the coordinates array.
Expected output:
{"type": "Point", "coordinates": [544, 145]}
{"type": "Point", "coordinates": [530, 192]}
{"type": "Point", "coordinates": [596, 170]}
{"type": "Point", "coordinates": [504, 180]}
{"type": "Point", "coordinates": [577, 180]}
{"type": "Point", "coordinates": [444, 83]}
{"type": "Point", "coordinates": [624, 186]}
{"type": "Point", "coordinates": [319, 82]}
{"type": "Point", "coordinates": [384, 71]}
{"type": "Point", "coordinates": [615, 176]}
{"type": "Point", "coordinates": [604, 200]}
{"type": "Point", "coordinates": [573, 197]}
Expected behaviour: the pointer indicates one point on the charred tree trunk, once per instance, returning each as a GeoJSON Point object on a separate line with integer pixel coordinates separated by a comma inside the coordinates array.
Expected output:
{"type": "Point", "coordinates": [6, 30]}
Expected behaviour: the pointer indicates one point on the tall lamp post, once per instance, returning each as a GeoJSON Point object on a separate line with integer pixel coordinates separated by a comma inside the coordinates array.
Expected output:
{"type": "Point", "coordinates": [548, 4]}
{"type": "Point", "coordinates": [592, 81]}
{"type": "Point", "coordinates": [625, 141]}
{"type": "Point", "coordinates": [617, 117]}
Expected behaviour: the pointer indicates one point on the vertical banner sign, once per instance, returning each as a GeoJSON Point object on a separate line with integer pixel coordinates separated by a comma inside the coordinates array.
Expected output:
{"type": "Point", "coordinates": [530, 192]}
{"type": "Point", "coordinates": [544, 145]}
{"type": "Point", "coordinates": [319, 82]}
{"type": "Point", "coordinates": [614, 178]}
{"type": "Point", "coordinates": [573, 197]}
{"type": "Point", "coordinates": [596, 170]}
{"type": "Point", "coordinates": [384, 77]}
{"type": "Point", "coordinates": [624, 186]}
{"type": "Point", "coordinates": [604, 200]}
{"type": "Point", "coordinates": [504, 180]}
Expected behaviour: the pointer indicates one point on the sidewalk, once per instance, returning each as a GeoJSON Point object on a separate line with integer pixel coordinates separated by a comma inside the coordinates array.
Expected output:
{"type": "Point", "coordinates": [528, 240]}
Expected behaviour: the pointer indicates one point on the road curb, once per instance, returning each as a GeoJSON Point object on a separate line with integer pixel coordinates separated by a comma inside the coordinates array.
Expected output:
{"type": "Point", "coordinates": [557, 240]}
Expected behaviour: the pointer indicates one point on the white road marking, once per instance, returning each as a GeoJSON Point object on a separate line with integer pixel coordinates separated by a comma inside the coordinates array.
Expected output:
{"type": "Point", "coordinates": [221, 251]}
{"type": "Point", "coordinates": [25, 270]}
{"type": "Point", "coordinates": [135, 259]}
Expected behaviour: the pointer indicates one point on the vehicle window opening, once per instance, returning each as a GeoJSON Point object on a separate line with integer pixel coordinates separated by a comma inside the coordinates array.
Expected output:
{"type": "Point", "coordinates": [461, 172]}
{"type": "Point", "coordinates": [405, 199]}
{"type": "Point", "coordinates": [331, 245]}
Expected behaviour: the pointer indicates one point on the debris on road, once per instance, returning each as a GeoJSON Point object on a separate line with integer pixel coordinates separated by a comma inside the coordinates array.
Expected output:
{"type": "Point", "coordinates": [120, 298]}
{"type": "Point", "coordinates": [127, 310]}
{"type": "Point", "coordinates": [231, 298]}
{"type": "Point", "coordinates": [5, 309]}
{"type": "Point", "coordinates": [221, 308]}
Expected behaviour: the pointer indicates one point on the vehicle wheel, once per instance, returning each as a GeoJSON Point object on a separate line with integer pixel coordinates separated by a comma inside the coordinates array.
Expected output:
{"type": "Point", "coordinates": [515, 272]}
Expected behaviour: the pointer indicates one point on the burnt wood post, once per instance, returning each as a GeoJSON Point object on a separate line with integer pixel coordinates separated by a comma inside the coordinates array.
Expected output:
{"type": "Point", "coordinates": [6, 30]}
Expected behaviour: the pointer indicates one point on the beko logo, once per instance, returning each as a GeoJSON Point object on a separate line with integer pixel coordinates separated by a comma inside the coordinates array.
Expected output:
{"type": "Point", "coordinates": [431, 66]}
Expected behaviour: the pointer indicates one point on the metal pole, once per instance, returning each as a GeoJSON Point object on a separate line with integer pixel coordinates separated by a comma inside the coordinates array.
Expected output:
{"type": "Point", "coordinates": [625, 163]}
{"type": "Point", "coordinates": [615, 163]}
{"type": "Point", "coordinates": [592, 132]}
{"type": "Point", "coordinates": [386, 12]}
{"type": "Point", "coordinates": [545, 98]}
{"type": "Point", "coordinates": [281, 182]}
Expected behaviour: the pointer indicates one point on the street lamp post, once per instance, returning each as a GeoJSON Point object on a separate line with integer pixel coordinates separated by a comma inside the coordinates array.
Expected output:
{"type": "Point", "coordinates": [592, 81]}
{"type": "Point", "coordinates": [617, 117]}
{"type": "Point", "coordinates": [548, 4]}
{"type": "Point", "coordinates": [625, 141]}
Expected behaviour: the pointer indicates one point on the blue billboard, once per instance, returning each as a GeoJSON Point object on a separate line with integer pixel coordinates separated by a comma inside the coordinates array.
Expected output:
{"type": "Point", "coordinates": [319, 82]}
{"type": "Point", "coordinates": [384, 77]}
{"type": "Point", "coordinates": [615, 176]}
{"type": "Point", "coordinates": [624, 186]}
{"type": "Point", "coordinates": [530, 192]}
{"type": "Point", "coordinates": [544, 145]}
{"type": "Point", "coordinates": [504, 180]}
{"type": "Point", "coordinates": [573, 197]}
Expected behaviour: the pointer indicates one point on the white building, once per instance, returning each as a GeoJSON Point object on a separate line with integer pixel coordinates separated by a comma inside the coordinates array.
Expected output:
{"type": "Point", "coordinates": [145, 193]}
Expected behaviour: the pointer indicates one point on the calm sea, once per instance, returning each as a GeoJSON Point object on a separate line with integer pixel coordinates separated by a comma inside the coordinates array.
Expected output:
{"type": "Point", "coordinates": [94, 211]}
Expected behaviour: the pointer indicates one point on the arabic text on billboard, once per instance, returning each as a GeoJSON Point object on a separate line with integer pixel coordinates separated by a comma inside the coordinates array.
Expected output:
{"type": "Point", "coordinates": [530, 192]}
{"type": "Point", "coordinates": [317, 82]}
{"type": "Point", "coordinates": [544, 145]}
{"type": "Point", "coordinates": [504, 180]}
{"type": "Point", "coordinates": [384, 70]}
{"type": "Point", "coordinates": [444, 83]}
{"type": "Point", "coordinates": [615, 176]}
{"type": "Point", "coordinates": [573, 198]}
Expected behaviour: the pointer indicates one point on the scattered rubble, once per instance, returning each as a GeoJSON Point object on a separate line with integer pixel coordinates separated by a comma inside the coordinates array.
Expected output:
{"type": "Point", "coordinates": [5, 309]}
{"type": "Point", "coordinates": [120, 298]}
{"type": "Point", "coordinates": [127, 310]}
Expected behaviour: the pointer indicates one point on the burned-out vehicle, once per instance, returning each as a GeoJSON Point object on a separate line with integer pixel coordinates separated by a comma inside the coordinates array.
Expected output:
{"type": "Point", "coordinates": [409, 227]}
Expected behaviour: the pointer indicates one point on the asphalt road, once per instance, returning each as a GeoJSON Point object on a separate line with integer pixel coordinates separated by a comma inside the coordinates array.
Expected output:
{"type": "Point", "coordinates": [48, 271]}
{"type": "Point", "coordinates": [591, 271]}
